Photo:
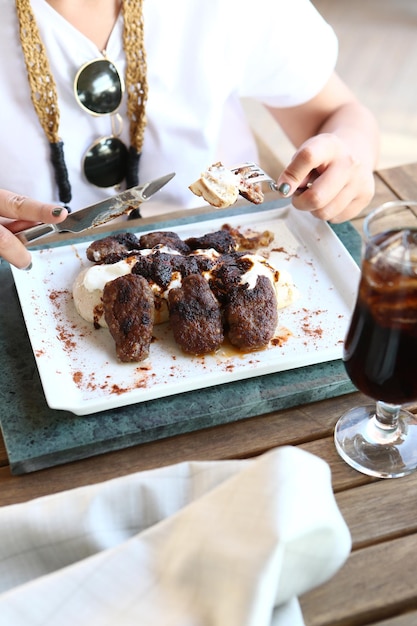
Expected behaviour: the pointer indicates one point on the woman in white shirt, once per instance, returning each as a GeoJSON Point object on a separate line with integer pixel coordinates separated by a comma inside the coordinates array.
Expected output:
{"type": "Point", "coordinates": [201, 59]}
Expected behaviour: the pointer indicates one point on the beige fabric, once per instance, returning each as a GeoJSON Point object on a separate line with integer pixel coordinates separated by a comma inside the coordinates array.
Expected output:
{"type": "Point", "coordinates": [212, 543]}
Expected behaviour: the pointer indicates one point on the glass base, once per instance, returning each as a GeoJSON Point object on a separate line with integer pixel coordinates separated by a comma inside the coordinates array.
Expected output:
{"type": "Point", "coordinates": [375, 450]}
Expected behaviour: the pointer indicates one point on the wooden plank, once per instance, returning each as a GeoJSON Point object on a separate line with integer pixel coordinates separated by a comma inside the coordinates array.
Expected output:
{"type": "Point", "coordinates": [383, 193]}
{"type": "Point", "coordinates": [381, 510]}
{"type": "Point", "coordinates": [409, 619]}
{"type": "Point", "coordinates": [375, 583]}
{"type": "Point", "coordinates": [401, 180]}
{"type": "Point", "coordinates": [343, 476]}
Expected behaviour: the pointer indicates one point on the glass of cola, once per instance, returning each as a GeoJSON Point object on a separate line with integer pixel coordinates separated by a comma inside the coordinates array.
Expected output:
{"type": "Point", "coordinates": [380, 348]}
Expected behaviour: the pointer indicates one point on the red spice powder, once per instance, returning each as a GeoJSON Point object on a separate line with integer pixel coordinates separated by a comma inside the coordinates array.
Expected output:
{"type": "Point", "coordinates": [66, 337]}
{"type": "Point", "coordinates": [306, 326]}
{"type": "Point", "coordinates": [77, 377]}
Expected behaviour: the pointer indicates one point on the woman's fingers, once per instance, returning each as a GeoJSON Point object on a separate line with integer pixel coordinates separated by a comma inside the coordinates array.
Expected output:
{"type": "Point", "coordinates": [21, 212]}
{"type": "Point", "coordinates": [13, 250]}
{"type": "Point", "coordinates": [340, 186]}
{"type": "Point", "coordinates": [17, 207]}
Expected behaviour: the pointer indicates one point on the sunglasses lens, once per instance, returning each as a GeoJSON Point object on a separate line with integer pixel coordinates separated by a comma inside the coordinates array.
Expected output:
{"type": "Point", "coordinates": [99, 87]}
{"type": "Point", "coordinates": [105, 163]}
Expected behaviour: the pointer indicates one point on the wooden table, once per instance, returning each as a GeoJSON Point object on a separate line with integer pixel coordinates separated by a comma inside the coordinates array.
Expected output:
{"type": "Point", "coordinates": [378, 584]}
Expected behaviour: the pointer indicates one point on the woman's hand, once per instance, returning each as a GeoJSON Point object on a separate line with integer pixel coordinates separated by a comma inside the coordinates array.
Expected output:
{"type": "Point", "coordinates": [337, 141]}
{"type": "Point", "coordinates": [325, 178]}
{"type": "Point", "coordinates": [17, 213]}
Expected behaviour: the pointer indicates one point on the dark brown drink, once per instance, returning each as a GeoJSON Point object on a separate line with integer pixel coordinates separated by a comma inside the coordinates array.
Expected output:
{"type": "Point", "coordinates": [380, 352]}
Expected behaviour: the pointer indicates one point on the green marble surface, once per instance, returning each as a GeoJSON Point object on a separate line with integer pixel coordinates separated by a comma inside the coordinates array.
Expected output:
{"type": "Point", "coordinates": [37, 437]}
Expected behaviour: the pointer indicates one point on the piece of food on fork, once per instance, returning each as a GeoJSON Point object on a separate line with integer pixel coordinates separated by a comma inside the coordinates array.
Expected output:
{"type": "Point", "coordinates": [221, 186]}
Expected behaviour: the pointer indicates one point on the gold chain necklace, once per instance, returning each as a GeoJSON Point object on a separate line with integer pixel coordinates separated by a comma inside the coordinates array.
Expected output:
{"type": "Point", "coordinates": [45, 98]}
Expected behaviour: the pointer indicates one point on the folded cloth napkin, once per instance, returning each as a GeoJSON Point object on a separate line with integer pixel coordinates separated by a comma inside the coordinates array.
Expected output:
{"type": "Point", "coordinates": [200, 543]}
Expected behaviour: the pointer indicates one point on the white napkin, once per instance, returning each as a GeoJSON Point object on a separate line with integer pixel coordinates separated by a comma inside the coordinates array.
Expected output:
{"type": "Point", "coordinates": [221, 543]}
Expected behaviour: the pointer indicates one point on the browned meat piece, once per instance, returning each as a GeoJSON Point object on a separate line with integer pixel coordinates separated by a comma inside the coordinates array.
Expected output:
{"type": "Point", "coordinates": [221, 240]}
{"type": "Point", "coordinates": [159, 267]}
{"type": "Point", "coordinates": [113, 248]}
{"type": "Point", "coordinates": [253, 193]}
{"type": "Point", "coordinates": [227, 274]}
{"type": "Point", "coordinates": [250, 191]}
{"type": "Point", "coordinates": [164, 238]}
{"type": "Point", "coordinates": [155, 268]}
{"type": "Point", "coordinates": [204, 263]}
{"type": "Point", "coordinates": [129, 312]}
{"type": "Point", "coordinates": [251, 315]}
{"type": "Point", "coordinates": [195, 316]}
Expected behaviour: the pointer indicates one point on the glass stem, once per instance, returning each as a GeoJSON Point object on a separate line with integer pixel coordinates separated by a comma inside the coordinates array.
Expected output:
{"type": "Point", "coordinates": [387, 415]}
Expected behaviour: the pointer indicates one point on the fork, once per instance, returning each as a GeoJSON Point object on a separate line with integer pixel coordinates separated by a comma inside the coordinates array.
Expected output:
{"type": "Point", "coordinates": [253, 173]}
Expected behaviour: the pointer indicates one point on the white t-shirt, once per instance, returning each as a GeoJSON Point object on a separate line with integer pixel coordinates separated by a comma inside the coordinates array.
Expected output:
{"type": "Point", "coordinates": [202, 58]}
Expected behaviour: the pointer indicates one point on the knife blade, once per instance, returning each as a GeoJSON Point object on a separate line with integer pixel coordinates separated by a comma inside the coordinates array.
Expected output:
{"type": "Point", "coordinates": [99, 213]}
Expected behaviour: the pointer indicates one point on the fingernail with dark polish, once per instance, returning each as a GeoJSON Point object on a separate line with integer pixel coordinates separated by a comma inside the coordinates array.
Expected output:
{"type": "Point", "coordinates": [284, 188]}
{"type": "Point", "coordinates": [28, 267]}
{"type": "Point", "coordinates": [57, 212]}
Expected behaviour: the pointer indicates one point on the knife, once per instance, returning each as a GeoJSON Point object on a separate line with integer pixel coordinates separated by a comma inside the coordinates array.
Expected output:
{"type": "Point", "coordinates": [100, 213]}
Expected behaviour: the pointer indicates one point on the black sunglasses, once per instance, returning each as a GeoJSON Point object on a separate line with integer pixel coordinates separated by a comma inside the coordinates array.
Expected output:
{"type": "Point", "coordinates": [99, 89]}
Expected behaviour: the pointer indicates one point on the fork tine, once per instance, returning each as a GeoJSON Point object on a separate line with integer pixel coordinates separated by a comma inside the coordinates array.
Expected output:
{"type": "Point", "coordinates": [254, 173]}
{"type": "Point", "coordinates": [250, 168]}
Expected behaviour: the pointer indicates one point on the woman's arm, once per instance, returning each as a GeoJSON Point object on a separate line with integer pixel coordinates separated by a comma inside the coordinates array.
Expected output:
{"type": "Point", "coordinates": [336, 137]}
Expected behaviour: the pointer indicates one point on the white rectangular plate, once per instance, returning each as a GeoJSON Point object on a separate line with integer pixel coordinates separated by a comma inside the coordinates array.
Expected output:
{"type": "Point", "coordinates": [77, 363]}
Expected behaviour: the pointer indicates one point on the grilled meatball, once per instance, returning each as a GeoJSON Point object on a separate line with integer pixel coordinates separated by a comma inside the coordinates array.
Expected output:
{"type": "Point", "coordinates": [160, 267]}
{"type": "Point", "coordinates": [129, 312]}
{"type": "Point", "coordinates": [113, 248]}
{"type": "Point", "coordinates": [227, 274]}
{"type": "Point", "coordinates": [251, 315]}
{"type": "Point", "coordinates": [164, 238]}
{"type": "Point", "coordinates": [195, 316]}
{"type": "Point", "coordinates": [221, 240]}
